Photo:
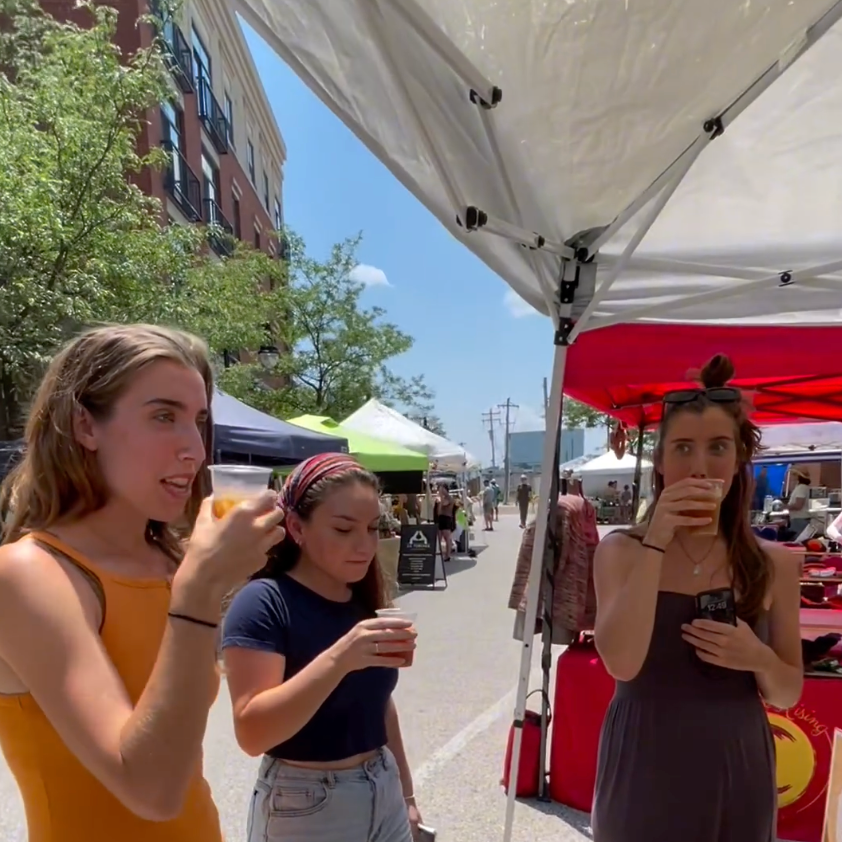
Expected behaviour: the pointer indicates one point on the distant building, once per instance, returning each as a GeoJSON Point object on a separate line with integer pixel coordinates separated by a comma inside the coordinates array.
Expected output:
{"type": "Point", "coordinates": [526, 448]}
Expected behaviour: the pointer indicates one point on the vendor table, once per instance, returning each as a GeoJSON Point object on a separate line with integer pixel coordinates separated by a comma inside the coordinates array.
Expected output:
{"type": "Point", "coordinates": [803, 739]}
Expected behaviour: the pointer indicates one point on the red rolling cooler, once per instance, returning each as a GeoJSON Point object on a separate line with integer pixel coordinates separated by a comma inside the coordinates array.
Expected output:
{"type": "Point", "coordinates": [583, 690]}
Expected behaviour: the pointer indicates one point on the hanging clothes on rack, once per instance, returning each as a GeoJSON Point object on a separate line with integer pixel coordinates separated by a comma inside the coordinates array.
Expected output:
{"type": "Point", "coordinates": [573, 596]}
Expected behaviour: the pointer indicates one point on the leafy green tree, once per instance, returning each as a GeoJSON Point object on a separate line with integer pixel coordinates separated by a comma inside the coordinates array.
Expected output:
{"type": "Point", "coordinates": [576, 415]}
{"type": "Point", "coordinates": [337, 351]}
{"type": "Point", "coordinates": [80, 243]}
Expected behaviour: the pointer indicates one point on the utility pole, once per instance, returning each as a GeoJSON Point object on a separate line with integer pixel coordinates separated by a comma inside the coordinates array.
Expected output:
{"type": "Point", "coordinates": [491, 418]}
{"type": "Point", "coordinates": [508, 406]}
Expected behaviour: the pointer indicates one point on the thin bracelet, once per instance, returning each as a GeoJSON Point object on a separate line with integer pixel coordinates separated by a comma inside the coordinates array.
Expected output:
{"type": "Point", "coordinates": [187, 618]}
{"type": "Point", "coordinates": [652, 547]}
{"type": "Point", "coordinates": [409, 798]}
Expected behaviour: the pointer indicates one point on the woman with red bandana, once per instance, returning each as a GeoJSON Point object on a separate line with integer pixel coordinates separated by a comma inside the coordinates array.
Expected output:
{"type": "Point", "coordinates": [311, 670]}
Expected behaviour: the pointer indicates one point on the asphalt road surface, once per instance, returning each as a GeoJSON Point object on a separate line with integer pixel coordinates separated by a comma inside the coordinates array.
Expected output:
{"type": "Point", "coordinates": [455, 702]}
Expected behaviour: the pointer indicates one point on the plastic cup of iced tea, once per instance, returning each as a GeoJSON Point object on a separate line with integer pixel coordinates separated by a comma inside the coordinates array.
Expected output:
{"type": "Point", "coordinates": [234, 484]}
{"type": "Point", "coordinates": [711, 528]}
{"type": "Point", "coordinates": [399, 614]}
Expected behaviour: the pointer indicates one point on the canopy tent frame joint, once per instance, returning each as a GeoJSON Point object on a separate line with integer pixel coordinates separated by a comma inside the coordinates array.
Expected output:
{"type": "Point", "coordinates": [478, 99]}
{"type": "Point", "coordinates": [476, 219]}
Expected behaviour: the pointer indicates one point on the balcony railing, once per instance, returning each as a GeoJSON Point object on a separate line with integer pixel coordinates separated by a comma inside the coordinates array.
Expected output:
{"type": "Point", "coordinates": [178, 55]}
{"type": "Point", "coordinates": [213, 117]}
{"type": "Point", "coordinates": [183, 184]}
{"type": "Point", "coordinates": [220, 230]}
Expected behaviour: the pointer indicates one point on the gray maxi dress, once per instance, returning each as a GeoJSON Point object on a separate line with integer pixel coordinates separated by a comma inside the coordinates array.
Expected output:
{"type": "Point", "coordinates": [686, 753]}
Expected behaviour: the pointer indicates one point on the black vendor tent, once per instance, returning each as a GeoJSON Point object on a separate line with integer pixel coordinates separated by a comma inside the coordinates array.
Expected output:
{"type": "Point", "coordinates": [242, 431]}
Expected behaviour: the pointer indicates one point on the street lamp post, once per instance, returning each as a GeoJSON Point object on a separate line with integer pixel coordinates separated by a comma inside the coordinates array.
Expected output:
{"type": "Point", "coordinates": [268, 356]}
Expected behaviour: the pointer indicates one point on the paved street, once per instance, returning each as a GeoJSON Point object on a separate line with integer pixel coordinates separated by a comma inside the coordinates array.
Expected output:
{"type": "Point", "coordinates": [455, 703]}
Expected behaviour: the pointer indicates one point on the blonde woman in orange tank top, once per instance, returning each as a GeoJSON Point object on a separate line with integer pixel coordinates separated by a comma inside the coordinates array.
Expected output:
{"type": "Point", "coordinates": [108, 630]}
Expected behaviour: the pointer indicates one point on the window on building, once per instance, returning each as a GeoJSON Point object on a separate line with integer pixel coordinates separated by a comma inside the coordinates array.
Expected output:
{"type": "Point", "coordinates": [250, 160]}
{"type": "Point", "coordinates": [236, 222]}
{"type": "Point", "coordinates": [256, 237]}
{"type": "Point", "coordinates": [266, 191]}
{"type": "Point", "coordinates": [202, 74]}
{"type": "Point", "coordinates": [172, 125]}
{"type": "Point", "coordinates": [278, 216]}
{"type": "Point", "coordinates": [201, 61]}
{"type": "Point", "coordinates": [210, 188]}
{"type": "Point", "coordinates": [229, 116]}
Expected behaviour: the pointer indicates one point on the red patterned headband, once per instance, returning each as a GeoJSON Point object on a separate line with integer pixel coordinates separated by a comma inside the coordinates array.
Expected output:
{"type": "Point", "coordinates": [311, 471]}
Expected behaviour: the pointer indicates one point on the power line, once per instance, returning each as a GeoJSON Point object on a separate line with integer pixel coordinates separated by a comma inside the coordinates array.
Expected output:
{"type": "Point", "coordinates": [508, 406]}
{"type": "Point", "coordinates": [491, 418]}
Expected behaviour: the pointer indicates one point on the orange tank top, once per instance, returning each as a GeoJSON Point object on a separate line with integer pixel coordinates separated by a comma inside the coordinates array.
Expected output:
{"type": "Point", "coordinates": [63, 801]}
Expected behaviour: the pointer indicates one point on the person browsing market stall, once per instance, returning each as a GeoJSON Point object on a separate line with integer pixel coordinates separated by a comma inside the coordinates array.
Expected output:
{"type": "Point", "coordinates": [686, 751]}
{"type": "Point", "coordinates": [311, 670]}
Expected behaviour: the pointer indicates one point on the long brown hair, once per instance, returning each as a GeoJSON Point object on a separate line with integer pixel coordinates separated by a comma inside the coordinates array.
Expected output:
{"type": "Point", "coordinates": [59, 479]}
{"type": "Point", "coordinates": [370, 591]}
{"type": "Point", "coordinates": [750, 567]}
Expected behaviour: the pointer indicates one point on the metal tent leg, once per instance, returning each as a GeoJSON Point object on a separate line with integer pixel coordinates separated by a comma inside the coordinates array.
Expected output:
{"type": "Point", "coordinates": [533, 591]}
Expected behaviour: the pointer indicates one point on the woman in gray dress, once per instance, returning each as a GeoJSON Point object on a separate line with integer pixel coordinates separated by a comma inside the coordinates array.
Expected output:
{"type": "Point", "coordinates": [686, 753]}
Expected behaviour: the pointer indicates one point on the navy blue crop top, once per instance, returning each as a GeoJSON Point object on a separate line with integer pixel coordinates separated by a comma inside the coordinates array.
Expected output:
{"type": "Point", "coordinates": [283, 616]}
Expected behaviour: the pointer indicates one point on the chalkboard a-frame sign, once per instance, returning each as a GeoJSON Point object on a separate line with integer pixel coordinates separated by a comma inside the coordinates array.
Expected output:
{"type": "Point", "coordinates": [417, 559]}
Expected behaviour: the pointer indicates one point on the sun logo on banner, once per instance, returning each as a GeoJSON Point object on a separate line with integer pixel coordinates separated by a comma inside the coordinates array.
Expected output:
{"type": "Point", "coordinates": [796, 759]}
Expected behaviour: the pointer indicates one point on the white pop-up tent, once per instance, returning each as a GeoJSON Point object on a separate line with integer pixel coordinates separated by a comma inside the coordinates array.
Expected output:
{"type": "Point", "coordinates": [597, 473]}
{"type": "Point", "coordinates": [803, 437]}
{"type": "Point", "coordinates": [382, 422]}
{"type": "Point", "coordinates": [656, 160]}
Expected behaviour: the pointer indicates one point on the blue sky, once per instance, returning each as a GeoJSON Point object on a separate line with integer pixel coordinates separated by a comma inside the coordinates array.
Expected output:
{"type": "Point", "coordinates": [475, 342]}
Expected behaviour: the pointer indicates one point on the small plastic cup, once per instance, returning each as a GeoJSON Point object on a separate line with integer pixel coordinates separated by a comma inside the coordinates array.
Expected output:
{"type": "Point", "coordinates": [234, 484]}
{"type": "Point", "coordinates": [398, 614]}
{"type": "Point", "coordinates": [711, 528]}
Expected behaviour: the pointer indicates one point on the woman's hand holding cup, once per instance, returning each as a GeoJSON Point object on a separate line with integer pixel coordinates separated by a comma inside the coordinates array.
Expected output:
{"type": "Point", "coordinates": [378, 642]}
{"type": "Point", "coordinates": [689, 503]}
{"type": "Point", "coordinates": [224, 552]}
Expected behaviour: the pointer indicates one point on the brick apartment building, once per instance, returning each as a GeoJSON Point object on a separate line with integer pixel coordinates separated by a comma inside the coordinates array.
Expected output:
{"type": "Point", "coordinates": [227, 152]}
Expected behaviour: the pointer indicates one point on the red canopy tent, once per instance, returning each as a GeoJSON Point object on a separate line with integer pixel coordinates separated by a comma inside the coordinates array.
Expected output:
{"type": "Point", "coordinates": [624, 370]}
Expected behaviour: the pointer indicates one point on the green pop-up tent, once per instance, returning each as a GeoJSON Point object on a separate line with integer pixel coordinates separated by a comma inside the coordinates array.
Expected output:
{"type": "Point", "coordinates": [373, 454]}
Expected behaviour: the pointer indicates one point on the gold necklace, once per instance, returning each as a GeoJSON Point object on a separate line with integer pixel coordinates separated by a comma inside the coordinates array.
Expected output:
{"type": "Point", "coordinates": [697, 563]}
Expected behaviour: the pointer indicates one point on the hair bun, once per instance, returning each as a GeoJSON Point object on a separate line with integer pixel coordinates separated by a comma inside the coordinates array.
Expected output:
{"type": "Point", "coordinates": [717, 371]}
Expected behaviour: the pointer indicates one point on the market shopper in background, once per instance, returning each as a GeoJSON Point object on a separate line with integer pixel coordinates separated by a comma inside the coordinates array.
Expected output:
{"type": "Point", "coordinates": [108, 629]}
{"type": "Point", "coordinates": [311, 670]}
{"type": "Point", "coordinates": [686, 751]}
{"type": "Point", "coordinates": [523, 495]}
{"type": "Point", "coordinates": [489, 498]}
{"type": "Point", "coordinates": [444, 516]}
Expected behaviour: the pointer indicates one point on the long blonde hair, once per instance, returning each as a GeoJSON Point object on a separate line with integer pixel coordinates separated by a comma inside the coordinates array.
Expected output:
{"type": "Point", "coordinates": [59, 479]}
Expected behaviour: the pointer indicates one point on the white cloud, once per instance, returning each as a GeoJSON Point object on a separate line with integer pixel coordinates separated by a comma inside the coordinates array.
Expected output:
{"type": "Point", "coordinates": [517, 306]}
{"type": "Point", "coordinates": [369, 276]}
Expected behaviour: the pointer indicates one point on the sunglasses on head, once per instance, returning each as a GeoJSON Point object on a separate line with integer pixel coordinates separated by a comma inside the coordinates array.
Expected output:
{"type": "Point", "coordinates": [717, 394]}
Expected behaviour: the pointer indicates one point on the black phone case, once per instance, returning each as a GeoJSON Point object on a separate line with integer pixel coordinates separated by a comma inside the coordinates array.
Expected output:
{"type": "Point", "coordinates": [718, 605]}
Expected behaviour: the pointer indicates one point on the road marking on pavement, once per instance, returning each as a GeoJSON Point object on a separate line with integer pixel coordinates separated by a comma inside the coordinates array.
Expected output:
{"type": "Point", "coordinates": [457, 744]}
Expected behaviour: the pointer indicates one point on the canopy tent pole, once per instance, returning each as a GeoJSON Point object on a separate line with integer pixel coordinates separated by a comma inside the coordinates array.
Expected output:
{"type": "Point", "coordinates": [643, 229]}
{"type": "Point", "coordinates": [568, 281]}
{"type": "Point", "coordinates": [638, 471]}
{"type": "Point", "coordinates": [533, 590]}
{"type": "Point", "coordinates": [600, 237]}
{"type": "Point", "coordinates": [671, 266]}
{"type": "Point", "coordinates": [377, 21]}
{"type": "Point", "coordinates": [431, 34]}
{"type": "Point", "coordinates": [671, 307]}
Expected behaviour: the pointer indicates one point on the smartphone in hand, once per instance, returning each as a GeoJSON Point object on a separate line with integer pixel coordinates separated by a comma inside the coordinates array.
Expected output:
{"type": "Point", "coordinates": [718, 605]}
{"type": "Point", "coordinates": [426, 834]}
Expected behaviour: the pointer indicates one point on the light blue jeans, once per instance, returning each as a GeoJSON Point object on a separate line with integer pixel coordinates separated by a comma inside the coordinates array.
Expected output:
{"type": "Point", "coordinates": [364, 804]}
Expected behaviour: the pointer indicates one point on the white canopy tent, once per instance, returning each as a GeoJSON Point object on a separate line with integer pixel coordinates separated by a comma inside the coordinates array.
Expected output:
{"type": "Point", "coordinates": [597, 473]}
{"type": "Point", "coordinates": [661, 160]}
{"type": "Point", "coordinates": [382, 422]}
{"type": "Point", "coordinates": [804, 437]}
